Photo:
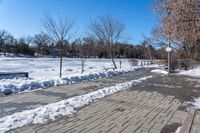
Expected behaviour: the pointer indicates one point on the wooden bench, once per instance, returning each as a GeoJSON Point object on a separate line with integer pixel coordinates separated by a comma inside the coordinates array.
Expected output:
{"type": "Point", "coordinates": [14, 74]}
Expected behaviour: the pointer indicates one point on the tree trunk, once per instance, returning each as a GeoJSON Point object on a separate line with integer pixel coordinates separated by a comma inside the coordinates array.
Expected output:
{"type": "Point", "coordinates": [113, 61]}
{"type": "Point", "coordinates": [112, 58]}
{"type": "Point", "coordinates": [145, 50]}
{"type": "Point", "coordinates": [150, 54]}
{"type": "Point", "coordinates": [61, 66]}
{"type": "Point", "coordinates": [186, 51]}
{"type": "Point", "coordinates": [195, 53]}
{"type": "Point", "coordinates": [61, 59]}
{"type": "Point", "coordinates": [82, 65]}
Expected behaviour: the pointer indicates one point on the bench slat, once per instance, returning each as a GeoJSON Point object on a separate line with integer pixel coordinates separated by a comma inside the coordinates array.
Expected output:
{"type": "Point", "coordinates": [14, 74]}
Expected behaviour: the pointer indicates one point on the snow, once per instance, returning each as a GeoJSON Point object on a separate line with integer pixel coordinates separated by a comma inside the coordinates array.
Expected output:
{"type": "Point", "coordinates": [46, 68]}
{"type": "Point", "coordinates": [159, 71]}
{"type": "Point", "coordinates": [15, 85]}
{"type": "Point", "coordinates": [63, 108]}
{"type": "Point", "coordinates": [44, 72]}
{"type": "Point", "coordinates": [178, 130]}
{"type": "Point", "coordinates": [193, 72]}
{"type": "Point", "coordinates": [196, 102]}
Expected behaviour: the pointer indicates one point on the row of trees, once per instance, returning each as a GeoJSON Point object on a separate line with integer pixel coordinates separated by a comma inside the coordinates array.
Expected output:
{"type": "Point", "coordinates": [41, 46]}
{"type": "Point", "coordinates": [8, 44]}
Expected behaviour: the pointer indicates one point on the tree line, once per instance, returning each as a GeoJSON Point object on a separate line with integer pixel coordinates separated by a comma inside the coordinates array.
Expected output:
{"type": "Point", "coordinates": [41, 46]}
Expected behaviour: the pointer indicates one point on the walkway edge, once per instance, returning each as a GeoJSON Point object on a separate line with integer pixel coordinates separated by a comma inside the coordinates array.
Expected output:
{"type": "Point", "coordinates": [186, 127]}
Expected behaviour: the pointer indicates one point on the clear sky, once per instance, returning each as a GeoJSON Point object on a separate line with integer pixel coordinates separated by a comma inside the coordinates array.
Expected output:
{"type": "Point", "coordinates": [23, 17]}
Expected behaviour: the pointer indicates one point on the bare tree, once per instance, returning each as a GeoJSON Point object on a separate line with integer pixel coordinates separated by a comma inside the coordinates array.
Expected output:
{"type": "Point", "coordinates": [60, 31]}
{"type": "Point", "coordinates": [180, 21]}
{"type": "Point", "coordinates": [3, 36]}
{"type": "Point", "coordinates": [147, 42]}
{"type": "Point", "coordinates": [5, 39]}
{"type": "Point", "coordinates": [108, 31]}
{"type": "Point", "coordinates": [41, 41]}
{"type": "Point", "coordinates": [82, 65]}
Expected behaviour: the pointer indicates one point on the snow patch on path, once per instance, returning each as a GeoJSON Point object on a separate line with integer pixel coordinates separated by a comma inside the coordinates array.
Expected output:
{"type": "Point", "coordinates": [178, 130]}
{"type": "Point", "coordinates": [193, 72]}
{"type": "Point", "coordinates": [159, 71]}
{"type": "Point", "coordinates": [196, 102]}
{"type": "Point", "coordinates": [63, 108]}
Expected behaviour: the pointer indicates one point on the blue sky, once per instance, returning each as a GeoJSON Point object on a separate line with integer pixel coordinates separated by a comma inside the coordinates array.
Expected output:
{"type": "Point", "coordinates": [23, 17]}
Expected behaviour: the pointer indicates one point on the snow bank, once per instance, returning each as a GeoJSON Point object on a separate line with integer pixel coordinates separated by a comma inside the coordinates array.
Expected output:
{"type": "Point", "coordinates": [196, 102]}
{"type": "Point", "coordinates": [8, 86]}
{"type": "Point", "coordinates": [63, 108]}
{"type": "Point", "coordinates": [178, 130]}
{"type": "Point", "coordinates": [193, 72]}
{"type": "Point", "coordinates": [159, 71]}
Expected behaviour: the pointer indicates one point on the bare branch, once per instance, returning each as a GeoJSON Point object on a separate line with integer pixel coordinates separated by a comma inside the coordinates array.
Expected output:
{"type": "Point", "coordinates": [108, 31]}
{"type": "Point", "coordinates": [59, 31]}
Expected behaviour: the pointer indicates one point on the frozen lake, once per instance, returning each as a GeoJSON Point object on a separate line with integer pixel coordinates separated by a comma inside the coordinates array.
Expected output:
{"type": "Point", "coordinates": [46, 68]}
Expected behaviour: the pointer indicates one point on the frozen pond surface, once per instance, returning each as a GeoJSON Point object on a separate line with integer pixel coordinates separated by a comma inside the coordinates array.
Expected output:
{"type": "Point", "coordinates": [45, 68]}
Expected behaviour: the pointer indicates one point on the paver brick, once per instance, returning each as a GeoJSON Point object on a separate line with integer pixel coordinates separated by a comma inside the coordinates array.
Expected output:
{"type": "Point", "coordinates": [126, 111]}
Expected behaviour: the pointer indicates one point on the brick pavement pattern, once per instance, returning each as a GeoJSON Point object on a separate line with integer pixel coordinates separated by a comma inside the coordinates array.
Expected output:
{"type": "Point", "coordinates": [30, 100]}
{"type": "Point", "coordinates": [156, 105]}
{"type": "Point", "coordinates": [130, 111]}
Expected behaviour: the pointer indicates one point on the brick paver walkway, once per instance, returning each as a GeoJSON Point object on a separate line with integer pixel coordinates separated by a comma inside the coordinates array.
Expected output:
{"type": "Point", "coordinates": [25, 101]}
{"type": "Point", "coordinates": [125, 112]}
{"type": "Point", "coordinates": [156, 105]}
{"type": "Point", "coordinates": [192, 123]}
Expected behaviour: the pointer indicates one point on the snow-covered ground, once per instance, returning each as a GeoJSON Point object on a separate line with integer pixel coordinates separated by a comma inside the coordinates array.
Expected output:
{"type": "Point", "coordinates": [159, 71]}
{"type": "Point", "coordinates": [193, 72]}
{"type": "Point", "coordinates": [63, 108]}
{"type": "Point", "coordinates": [44, 72]}
{"type": "Point", "coordinates": [178, 130]}
{"type": "Point", "coordinates": [48, 68]}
